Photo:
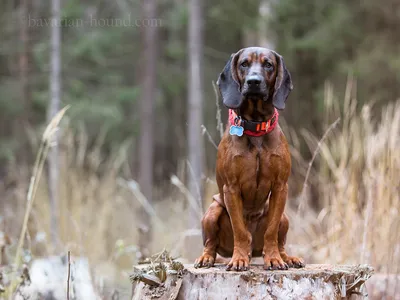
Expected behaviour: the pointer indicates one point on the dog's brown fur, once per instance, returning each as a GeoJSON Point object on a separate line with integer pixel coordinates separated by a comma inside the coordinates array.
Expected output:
{"type": "Point", "coordinates": [247, 217]}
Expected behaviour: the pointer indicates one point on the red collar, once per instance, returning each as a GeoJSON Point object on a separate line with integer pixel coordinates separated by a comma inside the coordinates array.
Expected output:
{"type": "Point", "coordinates": [254, 128]}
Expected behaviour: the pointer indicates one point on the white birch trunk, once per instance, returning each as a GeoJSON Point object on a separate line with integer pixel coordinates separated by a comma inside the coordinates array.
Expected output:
{"type": "Point", "coordinates": [195, 107]}
{"type": "Point", "coordinates": [54, 106]}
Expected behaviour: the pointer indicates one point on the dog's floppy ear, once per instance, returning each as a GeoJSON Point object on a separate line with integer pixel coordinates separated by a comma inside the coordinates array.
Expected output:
{"type": "Point", "coordinates": [283, 84]}
{"type": "Point", "coordinates": [228, 84]}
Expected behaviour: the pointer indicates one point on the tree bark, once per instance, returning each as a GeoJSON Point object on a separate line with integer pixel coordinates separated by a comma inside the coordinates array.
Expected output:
{"type": "Point", "coordinates": [148, 95]}
{"type": "Point", "coordinates": [195, 108]}
{"type": "Point", "coordinates": [54, 106]}
{"type": "Point", "coordinates": [312, 282]}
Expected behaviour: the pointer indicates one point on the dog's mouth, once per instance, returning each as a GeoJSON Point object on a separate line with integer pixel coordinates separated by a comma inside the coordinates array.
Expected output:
{"type": "Point", "coordinates": [254, 94]}
{"type": "Point", "coordinates": [259, 91]}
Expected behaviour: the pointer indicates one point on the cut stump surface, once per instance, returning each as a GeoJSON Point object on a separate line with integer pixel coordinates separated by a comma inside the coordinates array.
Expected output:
{"type": "Point", "coordinates": [311, 282]}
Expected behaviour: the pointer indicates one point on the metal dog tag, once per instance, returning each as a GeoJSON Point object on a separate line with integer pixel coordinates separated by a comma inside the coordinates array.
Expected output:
{"type": "Point", "coordinates": [236, 130]}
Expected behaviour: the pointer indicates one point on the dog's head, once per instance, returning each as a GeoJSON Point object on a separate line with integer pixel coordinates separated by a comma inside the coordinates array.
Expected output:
{"type": "Point", "coordinates": [255, 72]}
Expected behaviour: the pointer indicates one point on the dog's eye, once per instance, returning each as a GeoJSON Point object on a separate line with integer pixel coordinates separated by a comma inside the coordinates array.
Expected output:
{"type": "Point", "coordinates": [267, 65]}
{"type": "Point", "coordinates": [244, 64]}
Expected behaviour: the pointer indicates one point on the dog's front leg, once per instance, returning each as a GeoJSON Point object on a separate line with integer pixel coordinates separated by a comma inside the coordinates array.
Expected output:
{"type": "Point", "coordinates": [272, 258]}
{"type": "Point", "coordinates": [241, 236]}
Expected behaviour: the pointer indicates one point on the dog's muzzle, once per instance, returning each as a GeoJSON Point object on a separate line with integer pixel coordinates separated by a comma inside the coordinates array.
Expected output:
{"type": "Point", "coordinates": [254, 84]}
{"type": "Point", "coordinates": [253, 81]}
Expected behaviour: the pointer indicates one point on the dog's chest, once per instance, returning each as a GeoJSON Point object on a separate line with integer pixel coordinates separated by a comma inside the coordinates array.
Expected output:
{"type": "Point", "coordinates": [250, 160]}
{"type": "Point", "coordinates": [254, 172]}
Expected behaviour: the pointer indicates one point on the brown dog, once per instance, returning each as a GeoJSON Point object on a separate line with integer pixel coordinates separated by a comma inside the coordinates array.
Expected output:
{"type": "Point", "coordinates": [247, 217]}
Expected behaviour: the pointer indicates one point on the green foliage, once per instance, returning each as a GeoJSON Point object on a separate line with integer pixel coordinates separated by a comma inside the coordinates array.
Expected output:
{"type": "Point", "coordinates": [326, 40]}
{"type": "Point", "coordinates": [101, 65]}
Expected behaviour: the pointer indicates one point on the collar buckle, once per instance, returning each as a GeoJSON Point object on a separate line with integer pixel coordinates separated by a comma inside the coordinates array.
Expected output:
{"type": "Point", "coordinates": [267, 125]}
{"type": "Point", "coordinates": [238, 120]}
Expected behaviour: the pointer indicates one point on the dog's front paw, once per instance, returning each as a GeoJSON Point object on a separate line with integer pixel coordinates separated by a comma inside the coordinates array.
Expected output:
{"type": "Point", "coordinates": [205, 261]}
{"type": "Point", "coordinates": [274, 261]}
{"type": "Point", "coordinates": [293, 261]}
{"type": "Point", "coordinates": [240, 261]}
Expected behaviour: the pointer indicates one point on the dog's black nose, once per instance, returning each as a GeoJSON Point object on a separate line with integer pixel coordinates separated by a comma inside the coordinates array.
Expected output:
{"type": "Point", "coordinates": [253, 80]}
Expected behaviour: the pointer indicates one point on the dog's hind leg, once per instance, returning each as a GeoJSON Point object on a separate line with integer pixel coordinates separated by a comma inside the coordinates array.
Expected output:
{"type": "Point", "coordinates": [210, 228]}
{"type": "Point", "coordinates": [291, 261]}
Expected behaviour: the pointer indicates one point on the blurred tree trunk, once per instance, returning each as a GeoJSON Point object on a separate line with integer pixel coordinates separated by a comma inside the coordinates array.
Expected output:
{"type": "Point", "coordinates": [25, 59]}
{"type": "Point", "coordinates": [148, 94]}
{"type": "Point", "coordinates": [195, 108]}
{"type": "Point", "coordinates": [264, 37]}
{"type": "Point", "coordinates": [54, 106]}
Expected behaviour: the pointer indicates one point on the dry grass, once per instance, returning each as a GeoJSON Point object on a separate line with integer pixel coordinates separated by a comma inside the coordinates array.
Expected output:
{"type": "Point", "coordinates": [358, 184]}
{"type": "Point", "coordinates": [45, 144]}
{"type": "Point", "coordinates": [98, 210]}
{"type": "Point", "coordinates": [357, 173]}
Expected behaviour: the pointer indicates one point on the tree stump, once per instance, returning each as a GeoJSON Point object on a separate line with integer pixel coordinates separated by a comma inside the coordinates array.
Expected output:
{"type": "Point", "coordinates": [312, 282]}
